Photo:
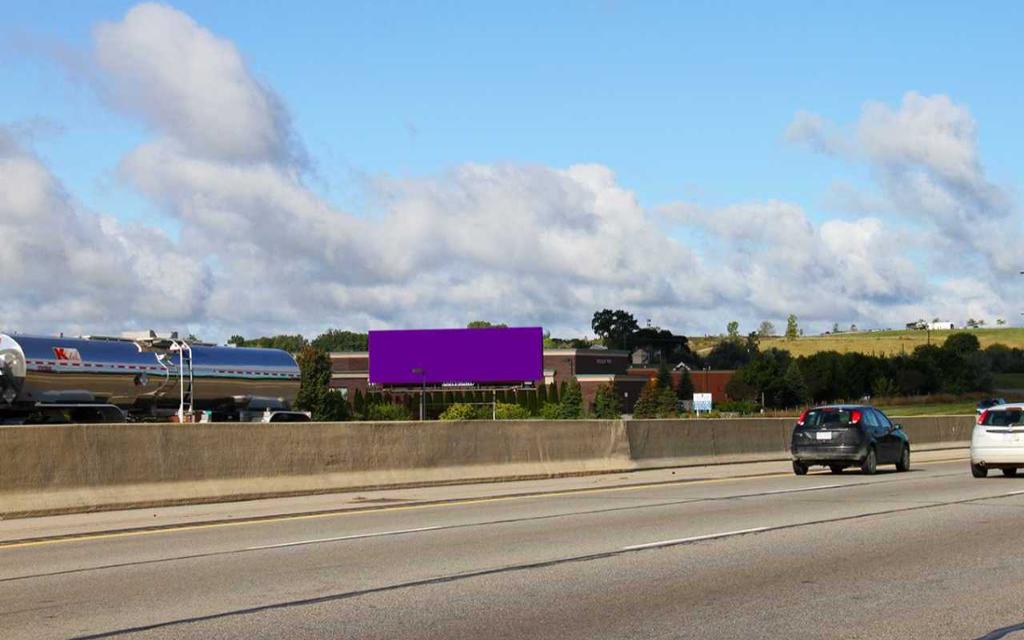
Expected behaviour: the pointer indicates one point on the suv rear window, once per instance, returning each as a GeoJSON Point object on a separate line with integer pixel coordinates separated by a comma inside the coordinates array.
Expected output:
{"type": "Point", "coordinates": [820, 417]}
{"type": "Point", "coordinates": [1003, 417]}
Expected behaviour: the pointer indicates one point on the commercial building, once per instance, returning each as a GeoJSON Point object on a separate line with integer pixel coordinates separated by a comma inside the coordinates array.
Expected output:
{"type": "Point", "coordinates": [592, 368]}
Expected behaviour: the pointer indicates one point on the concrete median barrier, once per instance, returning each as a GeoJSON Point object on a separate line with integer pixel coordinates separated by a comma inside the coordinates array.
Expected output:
{"type": "Point", "coordinates": [67, 468]}
{"type": "Point", "coordinates": [49, 469]}
{"type": "Point", "coordinates": [659, 443]}
{"type": "Point", "coordinates": [931, 432]}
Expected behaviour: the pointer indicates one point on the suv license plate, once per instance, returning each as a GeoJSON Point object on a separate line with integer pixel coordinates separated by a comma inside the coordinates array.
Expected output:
{"type": "Point", "coordinates": [823, 435]}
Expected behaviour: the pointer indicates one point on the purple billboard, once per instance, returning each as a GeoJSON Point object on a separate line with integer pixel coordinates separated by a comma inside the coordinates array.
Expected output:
{"type": "Point", "coordinates": [457, 356]}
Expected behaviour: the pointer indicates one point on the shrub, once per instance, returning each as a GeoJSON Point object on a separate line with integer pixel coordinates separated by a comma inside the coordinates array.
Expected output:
{"type": "Point", "coordinates": [508, 411]}
{"type": "Point", "coordinates": [460, 411]}
{"type": "Point", "coordinates": [738, 406]}
{"type": "Point", "coordinates": [551, 411]}
{"type": "Point", "coordinates": [385, 411]}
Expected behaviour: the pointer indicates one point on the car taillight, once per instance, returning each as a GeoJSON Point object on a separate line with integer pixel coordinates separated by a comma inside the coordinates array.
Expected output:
{"type": "Point", "coordinates": [854, 416]}
{"type": "Point", "coordinates": [802, 418]}
{"type": "Point", "coordinates": [981, 418]}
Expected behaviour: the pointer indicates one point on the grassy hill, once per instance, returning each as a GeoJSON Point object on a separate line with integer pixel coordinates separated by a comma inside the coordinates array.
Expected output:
{"type": "Point", "coordinates": [873, 343]}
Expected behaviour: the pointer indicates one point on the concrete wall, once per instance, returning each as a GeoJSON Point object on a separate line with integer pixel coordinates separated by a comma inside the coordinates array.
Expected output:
{"type": "Point", "coordinates": [61, 468]}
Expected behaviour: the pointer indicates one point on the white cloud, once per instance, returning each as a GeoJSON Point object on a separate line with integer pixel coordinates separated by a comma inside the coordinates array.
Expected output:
{"type": "Point", "coordinates": [924, 157]}
{"type": "Point", "coordinates": [192, 85]}
{"type": "Point", "coordinates": [63, 267]}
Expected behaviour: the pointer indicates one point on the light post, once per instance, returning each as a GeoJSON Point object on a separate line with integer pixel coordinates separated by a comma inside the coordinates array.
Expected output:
{"type": "Point", "coordinates": [423, 391]}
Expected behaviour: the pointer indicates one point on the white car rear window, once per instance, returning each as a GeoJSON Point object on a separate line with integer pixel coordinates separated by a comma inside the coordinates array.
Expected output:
{"type": "Point", "coordinates": [1002, 417]}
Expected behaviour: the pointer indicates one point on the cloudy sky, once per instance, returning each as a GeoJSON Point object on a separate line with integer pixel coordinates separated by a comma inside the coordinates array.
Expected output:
{"type": "Point", "coordinates": [257, 168]}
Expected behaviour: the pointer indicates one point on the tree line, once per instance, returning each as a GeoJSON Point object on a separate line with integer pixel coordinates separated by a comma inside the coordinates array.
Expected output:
{"type": "Point", "coordinates": [958, 366]}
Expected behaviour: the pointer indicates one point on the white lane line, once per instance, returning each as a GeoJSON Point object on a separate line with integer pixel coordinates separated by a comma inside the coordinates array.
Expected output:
{"type": "Point", "coordinates": [814, 488]}
{"type": "Point", "coordinates": [710, 536]}
{"type": "Point", "coordinates": [357, 536]}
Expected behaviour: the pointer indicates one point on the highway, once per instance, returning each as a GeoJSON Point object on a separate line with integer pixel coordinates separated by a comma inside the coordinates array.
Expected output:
{"type": "Point", "coordinates": [931, 553]}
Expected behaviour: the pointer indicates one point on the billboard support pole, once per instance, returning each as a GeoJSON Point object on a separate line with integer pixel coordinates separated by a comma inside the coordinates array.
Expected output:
{"type": "Point", "coordinates": [494, 404]}
{"type": "Point", "coordinates": [423, 392]}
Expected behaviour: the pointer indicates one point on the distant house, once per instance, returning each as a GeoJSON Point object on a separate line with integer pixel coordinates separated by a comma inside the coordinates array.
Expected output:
{"type": "Point", "coordinates": [941, 325]}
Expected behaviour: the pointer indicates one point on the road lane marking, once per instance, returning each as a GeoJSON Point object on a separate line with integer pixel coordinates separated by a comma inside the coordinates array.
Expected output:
{"type": "Point", "coordinates": [710, 536]}
{"type": "Point", "coordinates": [431, 505]}
{"type": "Point", "coordinates": [356, 536]}
{"type": "Point", "coordinates": [814, 488]}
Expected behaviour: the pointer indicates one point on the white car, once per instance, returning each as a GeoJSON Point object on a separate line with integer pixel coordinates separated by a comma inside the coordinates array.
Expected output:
{"type": "Point", "coordinates": [998, 440]}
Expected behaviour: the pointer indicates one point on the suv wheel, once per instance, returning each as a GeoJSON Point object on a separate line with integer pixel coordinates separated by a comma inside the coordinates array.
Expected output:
{"type": "Point", "coordinates": [799, 468]}
{"type": "Point", "coordinates": [903, 464]}
{"type": "Point", "coordinates": [836, 468]}
{"type": "Point", "coordinates": [868, 466]}
{"type": "Point", "coordinates": [979, 471]}
{"type": "Point", "coordinates": [1010, 471]}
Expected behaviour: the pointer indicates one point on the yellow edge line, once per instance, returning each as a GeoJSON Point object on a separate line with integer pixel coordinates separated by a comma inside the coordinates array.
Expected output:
{"type": "Point", "coordinates": [360, 512]}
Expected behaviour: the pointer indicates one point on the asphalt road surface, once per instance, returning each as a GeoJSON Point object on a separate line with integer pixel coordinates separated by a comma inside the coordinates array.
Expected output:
{"type": "Point", "coordinates": [932, 553]}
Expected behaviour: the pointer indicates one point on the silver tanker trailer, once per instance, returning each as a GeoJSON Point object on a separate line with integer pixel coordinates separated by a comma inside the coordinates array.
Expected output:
{"type": "Point", "coordinates": [100, 379]}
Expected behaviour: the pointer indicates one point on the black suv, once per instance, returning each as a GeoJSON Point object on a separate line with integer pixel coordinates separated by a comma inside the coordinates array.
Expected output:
{"type": "Point", "coordinates": [840, 436]}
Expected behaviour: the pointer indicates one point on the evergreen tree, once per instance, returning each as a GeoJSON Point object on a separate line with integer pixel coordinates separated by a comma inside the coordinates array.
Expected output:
{"type": "Point", "coordinates": [666, 402]}
{"type": "Point", "coordinates": [794, 390]}
{"type": "Point", "coordinates": [684, 390]}
{"type": "Point", "coordinates": [664, 376]}
{"type": "Point", "coordinates": [542, 394]}
{"type": "Point", "coordinates": [553, 393]}
{"type": "Point", "coordinates": [647, 404]}
{"type": "Point", "coordinates": [571, 404]}
{"type": "Point", "coordinates": [315, 394]}
{"type": "Point", "coordinates": [606, 403]}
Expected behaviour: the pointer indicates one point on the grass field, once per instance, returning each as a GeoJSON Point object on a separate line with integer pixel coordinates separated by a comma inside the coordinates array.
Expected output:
{"type": "Point", "coordinates": [879, 343]}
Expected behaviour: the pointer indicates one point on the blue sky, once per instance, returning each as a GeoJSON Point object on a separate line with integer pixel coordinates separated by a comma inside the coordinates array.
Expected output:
{"type": "Point", "coordinates": [683, 102]}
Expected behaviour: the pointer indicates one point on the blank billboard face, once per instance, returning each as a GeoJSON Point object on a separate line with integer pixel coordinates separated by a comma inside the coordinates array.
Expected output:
{"type": "Point", "coordinates": [456, 356]}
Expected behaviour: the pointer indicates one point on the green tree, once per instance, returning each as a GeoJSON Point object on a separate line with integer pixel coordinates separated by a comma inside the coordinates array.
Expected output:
{"type": "Point", "coordinates": [552, 395]}
{"type": "Point", "coordinates": [684, 390]}
{"type": "Point", "coordinates": [614, 327]}
{"type": "Point", "coordinates": [315, 394]}
{"type": "Point", "coordinates": [647, 404]}
{"type": "Point", "coordinates": [792, 328]}
{"type": "Point", "coordinates": [666, 402]}
{"type": "Point", "coordinates": [962, 343]}
{"type": "Point", "coordinates": [664, 376]}
{"type": "Point", "coordinates": [571, 404]}
{"type": "Point", "coordinates": [236, 340]}
{"type": "Point", "coordinates": [733, 330]}
{"type": "Point", "coordinates": [794, 390]}
{"type": "Point", "coordinates": [483, 324]}
{"type": "Point", "coordinates": [606, 403]}
{"type": "Point", "coordinates": [290, 343]}
{"type": "Point", "coordinates": [335, 340]}
{"type": "Point", "coordinates": [766, 330]}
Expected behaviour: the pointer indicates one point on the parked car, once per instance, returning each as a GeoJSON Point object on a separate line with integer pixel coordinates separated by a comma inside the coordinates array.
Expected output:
{"type": "Point", "coordinates": [841, 436]}
{"type": "Point", "coordinates": [988, 402]}
{"type": "Point", "coordinates": [998, 440]}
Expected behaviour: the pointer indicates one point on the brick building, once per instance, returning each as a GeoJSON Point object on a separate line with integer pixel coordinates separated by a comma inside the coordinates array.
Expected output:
{"type": "Point", "coordinates": [592, 368]}
{"type": "Point", "coordinates": [713, 382]}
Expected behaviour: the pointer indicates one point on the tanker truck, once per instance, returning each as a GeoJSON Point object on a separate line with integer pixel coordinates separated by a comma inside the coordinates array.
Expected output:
{"type": "Point", "coordinates": [139, 377]}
